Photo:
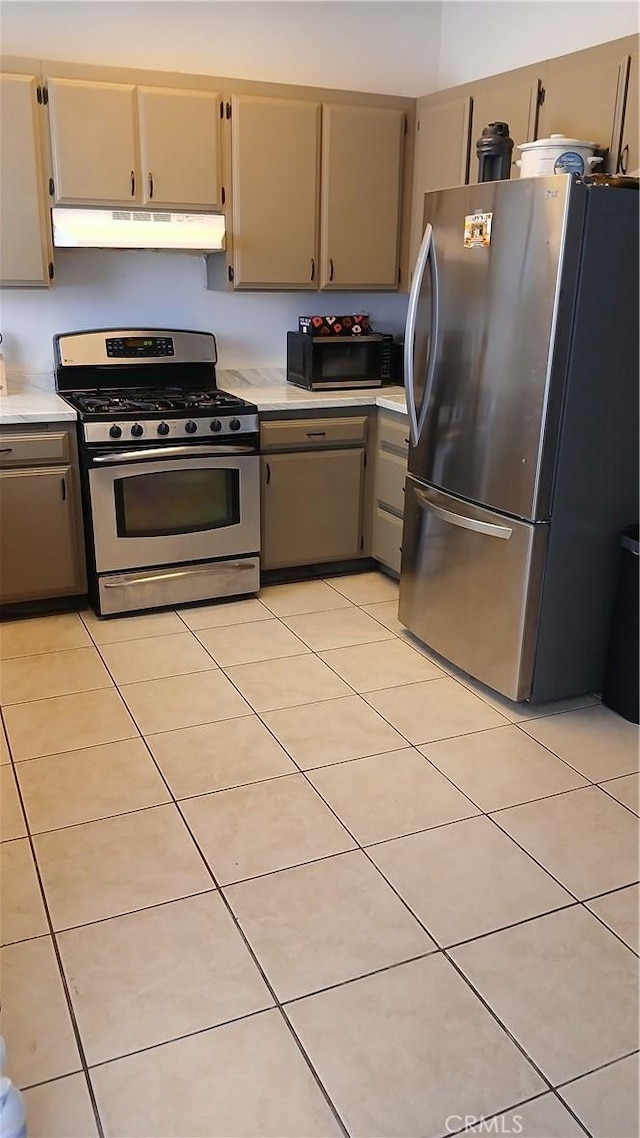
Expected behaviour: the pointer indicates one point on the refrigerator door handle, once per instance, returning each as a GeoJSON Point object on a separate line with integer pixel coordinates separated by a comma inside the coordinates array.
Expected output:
{"type": "Point", "coordinates": [410, 331]}
{"type": "Point", "coordinates": [461, 520]}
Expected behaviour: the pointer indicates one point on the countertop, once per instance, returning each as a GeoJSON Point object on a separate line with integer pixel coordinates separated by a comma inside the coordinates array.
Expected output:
{"type": "Point", "coordinates": [34, 407]}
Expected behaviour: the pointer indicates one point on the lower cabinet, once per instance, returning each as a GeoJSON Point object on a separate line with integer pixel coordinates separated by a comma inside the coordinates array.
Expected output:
{"type": "Point", "coordinates": [41, 552]}
{"type": "Point", "coordinates": [390, 475]}
{"type": "Point", "coordinates": [312, 492]}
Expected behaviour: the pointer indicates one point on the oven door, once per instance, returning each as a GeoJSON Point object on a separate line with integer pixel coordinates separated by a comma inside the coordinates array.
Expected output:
{"type": "Point", "coordinates": [166, 506]}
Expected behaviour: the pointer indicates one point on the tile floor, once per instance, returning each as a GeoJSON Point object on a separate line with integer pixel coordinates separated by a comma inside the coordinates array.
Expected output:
{"type": "Point", "coordinates": [272, 869]}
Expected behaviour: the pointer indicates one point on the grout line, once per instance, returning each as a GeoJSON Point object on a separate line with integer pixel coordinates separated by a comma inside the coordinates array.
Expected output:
{"type": "Point", "coordinates": [594, 1070]}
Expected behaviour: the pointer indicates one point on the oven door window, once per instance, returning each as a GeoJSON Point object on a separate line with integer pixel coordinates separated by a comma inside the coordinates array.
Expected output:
{"type": "Point", "coordinates": [177, 502]}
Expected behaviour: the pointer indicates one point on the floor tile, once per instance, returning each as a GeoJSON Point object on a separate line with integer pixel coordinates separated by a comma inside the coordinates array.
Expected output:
{"type": "Point", "coordinates": [467, 879]}
{"type": "Point", "coordinates": [436, 709]}
{"type": "Point", "coordinates": [154, 657]}
{"type": "Point", "coordinates": [183, 701]}
{"type": "Point", "coordinates": [302, 596]}
{"type": "Point", "coordinates": [596, 741]}
{"type": "Point", "coordinates": [5, 757]}
{"type": "Point", "coordinates": [501, 767]}
{"type": "Point", "coordinates": [202, 975]}
{"type": "Point", "coordinates": [35, 1017]}
{"type": "Point", "coordinates": [518, 712]}
{"type": "Point", "coordinates": [355, 924]}
{"type": "Point", "coordinates": [12, 823]}
{"type": "Point", "coordinates": [67, 722]}
{"type": "Point", "coordinates": [315, 738]}
{"type": "Point", "coordinates": [51, 633]}
{"type": "Point", "coordinates": [625, 790]}
{"type": "Point", "coordinates": [224, 613]}
{"type": "Point", "coordinates": [95, 782]}
{"type": "Point", "coordinates": [543, 1117]}
{"type": "Point", "coordinates": [52, 673]}
{"type": "Point", "coordinates": [259, 640]}
{"type": "Point", "coordinates": [619, 911]}
{"type": "Point", "coordinates": [242, 1079]}
{"type": "Point", "coordinates": [368, 667]}
{"type": "Point", "coordinates": [607, 1100]}
{"type": "Point", "coordinates": [217, 756]}
{"type": "Point", "coordinates": [388, 795]}
{"type": "Point", "coordinates": [584, 838]}
{"type": "Point", "coordinates": [132, 627]}
{"type": "Point", "coordinates": [365, 588]}
{"type": "Point", "coordinates": [117, 865]}
{"type": "Point", "coordinates": [387, 613]}
{"type": "Point", "coordinates": [263, 827]}
{"type": "Point", "coordinates": [337, 629]}
{"type": "Point", "coordinates": [21, 909]}
{"type": "Point", "coordinates": [271, 684]}
{"type": "Point", "coordinates": [401, 1051]}
{"type": "Point", "coordinates": [61, 1109]}
{"type": "Point", "coordinates": [539, 977]}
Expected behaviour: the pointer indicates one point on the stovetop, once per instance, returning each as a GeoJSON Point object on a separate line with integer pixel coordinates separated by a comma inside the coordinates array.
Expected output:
{"type": "Point", "coordinates": [112, 402]}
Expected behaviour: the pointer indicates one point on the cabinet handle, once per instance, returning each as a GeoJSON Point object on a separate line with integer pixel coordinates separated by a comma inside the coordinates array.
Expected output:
{"type": "Point", "coordinates": [313, 269]}
{"type": "Point", "coordinates": [330, 268]}
{"type": "Point", "coordinates": [63, 487]}
{"type": "Point", "coordinates": [316, 434]}
{"type": "Point", "coordinates": [150, 185]}
{"type": "Point", "coordinates": [133, 183]}
{"type": "Point", "coordinates": [268, 474]}
{"type": "Point", "coordinates": [623, 161]}
{"type": "Point", "coordinates": [6, 450]}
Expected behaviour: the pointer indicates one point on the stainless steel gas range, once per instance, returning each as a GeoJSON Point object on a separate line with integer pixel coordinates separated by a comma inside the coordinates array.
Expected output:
{"type": "Point", "coordinates": [169, 468]}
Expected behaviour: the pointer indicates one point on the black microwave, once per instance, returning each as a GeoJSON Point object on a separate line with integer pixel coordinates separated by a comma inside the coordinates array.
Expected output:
{"type": "Point", "coordinates": [323, 362]}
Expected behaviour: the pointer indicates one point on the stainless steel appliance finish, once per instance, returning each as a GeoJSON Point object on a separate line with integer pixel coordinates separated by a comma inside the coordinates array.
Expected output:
{"type": "Point", "coordinates": [169, 465]}
{"type": "Point", "coordinates": [521, 361]}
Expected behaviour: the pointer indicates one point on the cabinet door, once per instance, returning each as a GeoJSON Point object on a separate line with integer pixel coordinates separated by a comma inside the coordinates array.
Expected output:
{"type": "Point", "coordinates": [442, 141]}
{"type": "Point", "coordinates": [25, 238]}
{"type": "Point", "coordinates": [629, 161]}
{"type": "Point", "coordinates": [580, 101]}
{"type": "Point", "coordinates": [362, 151]}
{"type": "Point", "coordinates": [93, 141]}
{"type": "Point", "coordinates": [513, 103]}
{"type": "Point", "coordinates": [311, 507]}
{"type": "Point", "coordinates": [275, 145]}
{"type": "Point", "coordinates": [38, 555]}
{"type": "Point", "coordinates": [179, 147]}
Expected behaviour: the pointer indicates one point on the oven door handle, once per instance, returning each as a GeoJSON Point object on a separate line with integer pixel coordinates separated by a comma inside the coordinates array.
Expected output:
{"type": "Point", "coordinates": [119, 456]}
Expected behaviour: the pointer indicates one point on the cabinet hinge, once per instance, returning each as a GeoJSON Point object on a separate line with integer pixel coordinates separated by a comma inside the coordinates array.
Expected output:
{"type": "Point", "coordinates": [45, 96]}
{"type": "Point", "coordinates": [39, 94]}
{"type": "Point", "coordinates": [50, 270]}
{"type": "Point", "coordinates": [230, 272]}
{"type": "Point", "coordinates": [223, 196]}
{"type": "Point", "coordinates": [399, 274]}
{"type": "Point", "coordinates": [406, 125]}
{"type": "Point", "coordinates": [221, 109]}
{"type": "Point", "coordinates": [361, 541]}
{"type": "Point", "coordinates": [228, 110]}
{"type": "Point", "coordinates": [541, 95]}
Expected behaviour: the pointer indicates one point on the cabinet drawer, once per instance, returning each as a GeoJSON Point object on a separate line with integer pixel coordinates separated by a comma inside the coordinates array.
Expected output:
{"type": "Point", "coordinates": [393, 432]}
{"type": "Point", "coordinates": [391, 471]}
{"type": "Point", "coordinates": [23, 450]}
{"type": "Point", "coordinates": [313, 433]}
{"type": "Point", "coordinates": [387, 538]}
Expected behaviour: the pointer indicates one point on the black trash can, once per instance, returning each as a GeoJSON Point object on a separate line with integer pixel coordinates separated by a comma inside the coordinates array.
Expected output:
{"type": "Point", "coordinates": [621, 685]}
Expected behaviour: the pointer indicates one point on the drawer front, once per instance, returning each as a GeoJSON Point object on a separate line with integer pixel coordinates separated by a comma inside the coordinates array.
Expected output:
{"type": "Point", "coordinates": [25, 450]}
{"type": "Point", "coordinates": [393, 432]}
{"type": "Point", "coordinates": [387, 538]}
{"type": "Point", "coordinates": [391, 471]}
{"type": "Point", "coordinates": [313, 433]}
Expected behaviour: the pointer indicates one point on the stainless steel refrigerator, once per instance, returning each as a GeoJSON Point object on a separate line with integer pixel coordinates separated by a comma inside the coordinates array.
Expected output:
{"type": "Point", "coordinates": [521, 370]}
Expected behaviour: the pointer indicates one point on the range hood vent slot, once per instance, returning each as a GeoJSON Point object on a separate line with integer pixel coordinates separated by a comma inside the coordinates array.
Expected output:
{"type": "Point", "coordinates": [137, 229]}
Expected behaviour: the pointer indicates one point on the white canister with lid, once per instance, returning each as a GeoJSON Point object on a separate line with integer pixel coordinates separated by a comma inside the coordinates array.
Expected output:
{"type": "Point", "coordinates": [557, 155]}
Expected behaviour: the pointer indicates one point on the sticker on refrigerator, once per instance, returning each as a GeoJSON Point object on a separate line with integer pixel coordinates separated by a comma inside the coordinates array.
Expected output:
{"type": "Point", "coordinates": [477, 230]}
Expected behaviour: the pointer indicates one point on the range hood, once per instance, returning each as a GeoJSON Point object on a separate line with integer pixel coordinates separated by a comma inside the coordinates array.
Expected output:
{"type": "Point", "coordinates": [136, 229]}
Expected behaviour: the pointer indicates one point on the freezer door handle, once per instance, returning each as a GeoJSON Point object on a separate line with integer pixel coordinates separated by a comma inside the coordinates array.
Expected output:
{"type": "Point", "coordinates": [461, 520]}
{"type": "Point", "coordinates": [426, 256]}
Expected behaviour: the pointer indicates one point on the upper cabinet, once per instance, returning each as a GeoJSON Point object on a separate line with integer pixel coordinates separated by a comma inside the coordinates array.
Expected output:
{"type": "Point", "coordinates": [25, 232]}
{"type": "Point", "coordinates": [440, 157]}
{"type": "Point", "coordinates": [362, 150]}
{"type": "Point", "coordinates": [582, 99]}
{"type": "Point", "coordinates": [275, 153]}
{"type": "Point", "coordinates": [116, 144]}
{"type": "Point", "coordinates": [499, 101]}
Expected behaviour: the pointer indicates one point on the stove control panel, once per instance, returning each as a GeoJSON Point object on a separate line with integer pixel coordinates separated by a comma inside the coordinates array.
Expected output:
{"type": "Point", "coordinates": [155, 430]}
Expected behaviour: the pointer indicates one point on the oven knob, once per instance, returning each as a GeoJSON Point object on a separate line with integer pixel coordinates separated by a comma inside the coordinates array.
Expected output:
{"type": "Point", "coordinates": [191, 427]}
{"type": "Point", "coordinates": [137, 430]}
{"type": "Point", "coordinates": [235, 424]}
{"type": "Point", "coordinates": [163, 428]}
{"type": "Point", "coordinates": [115, 431]}
{"type": "Point", "coordinates": [216, 425]}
